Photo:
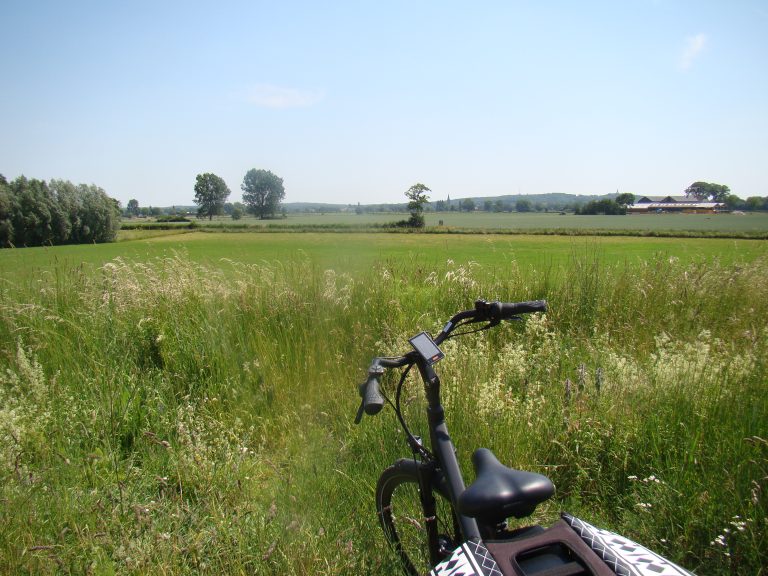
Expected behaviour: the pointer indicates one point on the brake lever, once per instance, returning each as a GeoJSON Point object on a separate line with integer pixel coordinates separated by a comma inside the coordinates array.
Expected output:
{"type": "Point", "coordinates": [361, 409]}
{"type": "Point", "coordinates": [359, 416]}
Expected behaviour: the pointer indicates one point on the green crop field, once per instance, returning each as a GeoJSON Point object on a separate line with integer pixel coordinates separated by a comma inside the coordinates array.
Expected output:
{"type": "Point", "coordinates": [736, 223]}
{"type": "Point", "coordinates": [358, 252]}
{"type": "Point", "coordinates": [182, 403]}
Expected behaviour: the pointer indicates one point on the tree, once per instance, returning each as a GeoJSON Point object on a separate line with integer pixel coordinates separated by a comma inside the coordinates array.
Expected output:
{"type": "Point", "coordinates": [468, 205]}
{"type": "Point", "coordinates": [37, 218]}
{"type": "Point", "coordinates": [487, 205]}
{"type": "Point", "coordinates": [523, 205]}
{"type": "Point", "coordinates": [733, 202]}
{"type": "Point", "coordinates": [625, 199]}
{"type": "Point", "coordinates": [6, 213]}
{"type": "Point", "coordinates": [262, 192]}
{"type": "Point", "coordinates": [133, 208]}
{"type": "Point", "coordinates": [607, 207]}
{"type": "Point", "coordinates": [99, 216]}
{"type": "Point", "coordinates": [210, 194]}
{"type": "Point", "coordinates": [417, 197]}
{"type": "Point", "coordinates": [708, 191]}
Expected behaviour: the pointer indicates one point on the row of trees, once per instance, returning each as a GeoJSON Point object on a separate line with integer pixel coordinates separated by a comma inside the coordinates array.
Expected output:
{"type": "Point", "coordinates": [752, 203]}
{"type": "Point", "coordinates": [262, 193]}
{"type": "Point", "coordinates": [133, 210]}
{"type": "Point", "coordinates": [708, 192]}
{"type": "Point", "coordinates": [37, 213]}
{"type": "Point", "coordinates": [608, 206]}
{"type": "Point", "coordinates": [520, 205]}
{"type": "Point", "coordinates": [418, 198]}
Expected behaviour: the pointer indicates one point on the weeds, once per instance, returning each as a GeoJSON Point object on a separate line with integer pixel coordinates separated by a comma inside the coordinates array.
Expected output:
{"type": "Point", "coordinates": [169, 417]}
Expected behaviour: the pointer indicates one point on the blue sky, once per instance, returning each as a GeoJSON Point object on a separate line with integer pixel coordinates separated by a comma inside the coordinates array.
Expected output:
{"type": "Point", "coordinates": [355, 101]}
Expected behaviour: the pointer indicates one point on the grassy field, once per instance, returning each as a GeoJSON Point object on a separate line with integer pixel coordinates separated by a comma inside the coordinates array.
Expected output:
{"type": "Point", "coordinates": [359, 252]}
{"type": "Point", "coordinates": [748, 222]}
{"type": "Point", "coordinates": [183, 403]}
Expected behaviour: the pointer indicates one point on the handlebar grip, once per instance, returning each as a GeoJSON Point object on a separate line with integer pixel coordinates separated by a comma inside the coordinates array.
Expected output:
{"type": "Point", "coordinates": [373, 401]}
{"type": "Point", "coordinates": [511, 309]}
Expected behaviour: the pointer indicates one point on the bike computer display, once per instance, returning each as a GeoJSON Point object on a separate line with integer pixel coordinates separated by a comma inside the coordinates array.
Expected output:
{"type": "Point", "coordinates": [426, 347]}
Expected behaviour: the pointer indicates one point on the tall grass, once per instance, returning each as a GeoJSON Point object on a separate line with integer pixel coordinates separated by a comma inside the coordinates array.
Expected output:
{"type": "Point", "coordinates": [168, 417]}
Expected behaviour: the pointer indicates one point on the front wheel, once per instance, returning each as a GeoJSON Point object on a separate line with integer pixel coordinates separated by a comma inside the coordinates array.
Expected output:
{"type": "Point", "coordinates": [421, 540]}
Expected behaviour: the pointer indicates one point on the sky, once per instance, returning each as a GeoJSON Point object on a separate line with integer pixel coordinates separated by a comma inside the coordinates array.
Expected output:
{"type": "Point", "coordinates": [355, 101]}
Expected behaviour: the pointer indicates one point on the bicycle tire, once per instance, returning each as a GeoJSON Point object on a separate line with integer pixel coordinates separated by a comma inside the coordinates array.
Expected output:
{"type": "Point", "coordinates": [398, 505]}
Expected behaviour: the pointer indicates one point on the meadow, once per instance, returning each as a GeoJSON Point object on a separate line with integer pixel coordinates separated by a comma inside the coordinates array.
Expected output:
{"type": "Point", "coordinates": [354, 252]}
{"type": "Point", "coordinates": [183, 403]}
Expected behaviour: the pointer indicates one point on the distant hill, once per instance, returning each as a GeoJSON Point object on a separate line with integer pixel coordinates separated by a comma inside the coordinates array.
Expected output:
{"type": "Point", "coordinates": [316, 207]}
{"type": "Point", "coordinates": [551, 198]}
{"type": "Point", "coordinates": [551, 201]}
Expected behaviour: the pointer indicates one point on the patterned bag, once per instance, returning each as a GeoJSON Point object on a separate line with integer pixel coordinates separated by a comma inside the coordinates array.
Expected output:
{"type": "Point", "coordinates": [605, 553]}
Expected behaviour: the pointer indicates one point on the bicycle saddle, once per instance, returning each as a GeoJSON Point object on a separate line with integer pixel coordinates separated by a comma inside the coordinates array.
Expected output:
{"type": "Point", "coordinates": [499, 492]}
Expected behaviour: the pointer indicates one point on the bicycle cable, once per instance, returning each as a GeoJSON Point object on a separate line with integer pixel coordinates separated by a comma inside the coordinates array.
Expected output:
{"type": "Point", "coordinates": [412, 441]}
{"type": "Point", "coordinates": [488, 326]}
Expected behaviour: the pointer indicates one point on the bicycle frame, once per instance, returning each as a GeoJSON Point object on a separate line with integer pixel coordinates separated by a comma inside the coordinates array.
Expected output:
{"type": "Point", "coordinates": [437, 470]}
{"type": "Point", "coordinates": [445, 459]}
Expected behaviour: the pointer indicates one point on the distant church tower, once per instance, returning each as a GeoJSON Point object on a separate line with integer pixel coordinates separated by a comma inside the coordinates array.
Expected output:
{"type": "Point", "coordinates": [449, 199]}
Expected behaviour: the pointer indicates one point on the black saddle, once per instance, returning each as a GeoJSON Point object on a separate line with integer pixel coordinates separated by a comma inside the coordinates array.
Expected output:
{"type": "Point", "coordinates": [499, 492]}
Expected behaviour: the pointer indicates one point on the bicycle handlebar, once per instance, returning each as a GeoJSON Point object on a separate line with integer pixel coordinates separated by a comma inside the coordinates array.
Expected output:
{"type": "Point", "coordinates": [510, 310]}
{"type": "Point", "coordinates": [372, 401]}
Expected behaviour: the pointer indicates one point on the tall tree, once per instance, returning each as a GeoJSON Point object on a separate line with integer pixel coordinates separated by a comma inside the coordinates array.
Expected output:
{"type": "Point", "coordinates": [417, 197]}
{"type": "Point", "coordinates": [36, 218]}
{"type": "Point", "coordinates": [210, 194]}
{"type": "Point", "coordinates": [133, 208]}
{"type": "Point", "coordinates": [708, 191]}
{"type": "Point", "coordinates": [100, 216]}
{"type": "Point", "coordinates": [262, 192]}
{"type": "Point", "coordinates": [625, 199]}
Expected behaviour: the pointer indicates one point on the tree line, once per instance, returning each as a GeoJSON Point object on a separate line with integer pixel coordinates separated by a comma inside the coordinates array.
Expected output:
{"type": "Point", "coordinates": [263, 193]}
{"type": "Point", "coordinates": [38, 213]}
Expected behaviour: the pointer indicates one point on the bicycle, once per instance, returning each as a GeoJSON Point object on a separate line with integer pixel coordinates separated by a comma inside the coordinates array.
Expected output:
{"type": "Point", "coordinates": [434, 522]}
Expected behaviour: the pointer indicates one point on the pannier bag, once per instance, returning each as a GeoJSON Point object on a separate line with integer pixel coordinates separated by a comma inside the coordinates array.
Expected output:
{"type": "Point", "coordinates": [570, 547]}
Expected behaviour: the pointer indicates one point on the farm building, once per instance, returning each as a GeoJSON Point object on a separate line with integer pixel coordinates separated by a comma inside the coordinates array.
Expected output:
{"type": "Point", "coordinates": [656, 204]}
